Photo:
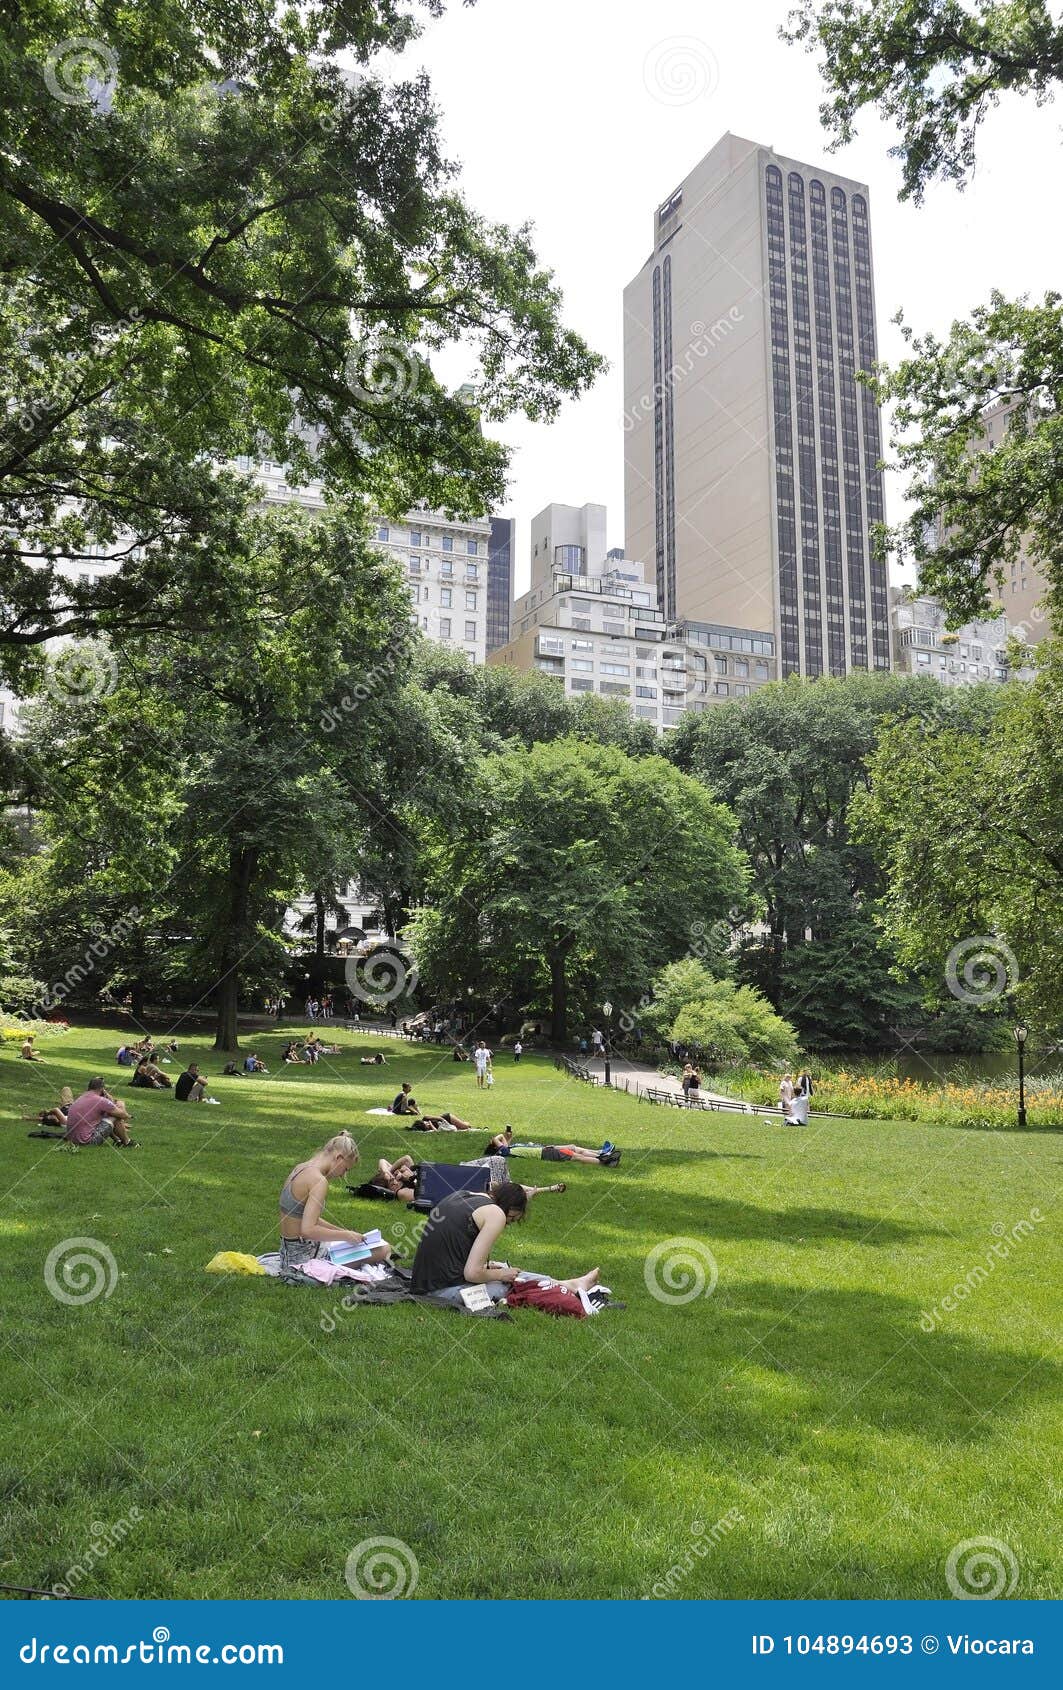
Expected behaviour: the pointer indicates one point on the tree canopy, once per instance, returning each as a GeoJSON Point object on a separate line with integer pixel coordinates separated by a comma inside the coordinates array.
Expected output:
{"type": "Point", "coordinates": [215, 240]}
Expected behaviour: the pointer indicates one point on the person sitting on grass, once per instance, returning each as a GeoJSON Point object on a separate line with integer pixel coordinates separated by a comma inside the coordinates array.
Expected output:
{"type": "Point", "coordinates": [460, 1053]}
{"type": "Point", "coordinates": [372, 1061]}
{"type": "Point", "coordinates": [28, 1052]}
{"type": "Point", "coordinates": [312, 1049]}
{"type": "Point", "coordinates": [304, 1235]}
{"type": "Point", "coordinates": [144, 1076]}
{"type": "Point", "coordinates": [95, 1117]}
{"type": "Point", "coordinates": [124, 1056]}
{"type": "Point", "coordinates": [502, 1145]}
{"type": "Point", "coordinates": [190, 1087]}
{"type": "Point", "coordinates": [160, 1080]}
{"type": "Point", "coordinates": [454, 1252]}
{"type": "Point", "coordinates": [447, 1123]}
{"type": "Point", "coordinates": [290, 1053]}
{"type": "Point", "coordinates": [405, 1103]}
{"type": "Point", "coordinates": [253, 1064]}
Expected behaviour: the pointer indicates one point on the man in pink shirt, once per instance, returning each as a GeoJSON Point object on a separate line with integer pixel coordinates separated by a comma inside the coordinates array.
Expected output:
{"type": "Point", "coordinates": [94, 1117]}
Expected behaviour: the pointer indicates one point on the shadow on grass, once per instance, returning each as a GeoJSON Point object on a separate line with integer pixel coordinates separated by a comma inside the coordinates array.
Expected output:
{"type": "Point", "coordinates": [860, 1355]}
{"type": "Point", "coordinates": [716, 1218]}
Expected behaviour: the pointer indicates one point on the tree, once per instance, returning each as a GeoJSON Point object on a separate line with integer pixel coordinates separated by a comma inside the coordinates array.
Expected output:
{"type": "Point", "coordinates": [734, 1024]}
{"type": "Point", "coordinates": [584, 869]}
{"type": "Point", "coordinates": [935, 67]}
{"type": "Point", "coordinates": [966, 826]}
{"type": "Point", "coordinates": [932, 67]}
{"type": "Point", "coordinates": [238, 795]}
{"type": "Point", "coordinates": [216, 240]}
{"type": "Point", "coordinates": [787, 762]}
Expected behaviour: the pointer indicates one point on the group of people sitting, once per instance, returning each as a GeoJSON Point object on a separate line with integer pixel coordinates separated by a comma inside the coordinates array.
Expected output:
{"type": "Point", "coordinates": [93, 1117]}
{"type": "Point", "coordinates": [131, 1055]}
{"type": "Point", "coordinates": [310, 1049]}
{"type": "Point", "coordinates": [454, 1253]}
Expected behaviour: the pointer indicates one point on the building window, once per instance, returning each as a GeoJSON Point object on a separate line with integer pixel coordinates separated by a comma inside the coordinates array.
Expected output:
{"type": "Point", "coordinates": [415, 593]}
{"type": "Point", "coordinates": [446, 568]}
{"type": "Point", "coordinates": [472, 547]}
{"type": "Point", "coordinates": [577, 684]}
{"type": "Point", "coordinates": [581, 663]}
{"type": "Point", "coordinates": [470, 601]}
{"type": "Point", "coordinates": [445, 597]}
{"type": "Point", "coordinates": [470, 630]}
{"type": "Point", "coordinates": [383, 533]}
{"type": "Point", "coordinates": [616, 669]}
{"type": "Point", "coordinates": [447, 542]}
{"type": "Point", "coordinates": [645, 692]}
{"type": "Point", "coordinates": [721, 688]}
{"type": "Point", "coordinates": [415, 538]}
{"type": "Point", "coordinates": [444, 627]}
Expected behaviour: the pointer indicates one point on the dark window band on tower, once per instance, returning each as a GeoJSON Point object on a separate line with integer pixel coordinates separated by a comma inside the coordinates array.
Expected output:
{"type": "Point", "coordinates": [828, 430]}
{"type": "Point", "coordinates": [669, 601]}
{"type": "Point", "coordinates": [806, 429]}
{"type": "Point", "coordinates": [880, 638]}
{"type": "Point", "coordinates": [658, 437]}
{"type": "Point", "coordinates": [790, 660]}
{"type": "Point", "coordinates": [854, 509]}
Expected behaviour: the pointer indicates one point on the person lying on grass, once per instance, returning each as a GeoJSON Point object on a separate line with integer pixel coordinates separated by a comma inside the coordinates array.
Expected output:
{"type": "Point", "coordinates": [56, 1115]}
{"type": "Point", "coordinates": [95, 1117]}
{"type": "Point", "coordinates": [372, 1061]}
{"type": "Point", "coordinates": [455, 1247]}
{"type": "Point", "coordinates": [394, 1181]}
{"type": "Point", "coordinates": [304, 1235]}
{"type": "Point", "coordinates": [502, 1145]}
{"type": "Point", "coordinates": [448, 1123]}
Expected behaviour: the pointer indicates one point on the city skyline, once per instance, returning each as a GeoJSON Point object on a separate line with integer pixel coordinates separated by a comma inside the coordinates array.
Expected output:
{"type": "Point", "coordinates": [646, 94]}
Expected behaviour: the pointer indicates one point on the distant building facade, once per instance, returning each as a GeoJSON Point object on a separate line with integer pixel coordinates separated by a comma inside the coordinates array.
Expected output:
{"type": "Point", "coordinates": [752, 451]}
{"type": "Point", "coordinates": [591, 620]}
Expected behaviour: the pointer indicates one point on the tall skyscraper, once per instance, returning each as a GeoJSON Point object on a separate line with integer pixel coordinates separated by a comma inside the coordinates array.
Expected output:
{"type": "Point", "coordinates": [751, 450]}
{"type": "Point", "coordinates": [500, 549]}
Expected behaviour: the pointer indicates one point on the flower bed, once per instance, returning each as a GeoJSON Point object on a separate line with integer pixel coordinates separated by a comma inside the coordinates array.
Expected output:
{"type": "Point", "coordinates": [885, 1097]}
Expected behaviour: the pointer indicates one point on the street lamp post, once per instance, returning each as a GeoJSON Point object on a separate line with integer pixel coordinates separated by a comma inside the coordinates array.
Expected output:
{"type": "Point", "coordinates": [607, 1011]}
{"type": "Point", "coordinates": [1021, 1032]}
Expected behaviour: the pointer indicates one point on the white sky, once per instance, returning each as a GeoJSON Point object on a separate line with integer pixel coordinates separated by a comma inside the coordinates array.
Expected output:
{"type": "Point", "coordinates": [556, 112]}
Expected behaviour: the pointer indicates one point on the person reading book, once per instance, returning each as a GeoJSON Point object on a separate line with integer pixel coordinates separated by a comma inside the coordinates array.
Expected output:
{"type": "Point", "coordinates": [454, 1253]}
{"type": "Point", "coordinates": [305, 1236]}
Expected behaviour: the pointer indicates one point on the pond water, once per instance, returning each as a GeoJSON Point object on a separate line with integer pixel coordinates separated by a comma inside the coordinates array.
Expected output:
{"type": "Point", "coordinates": [936, 1068]}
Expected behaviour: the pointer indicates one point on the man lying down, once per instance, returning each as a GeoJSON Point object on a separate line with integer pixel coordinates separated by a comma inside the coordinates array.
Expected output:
{"type": "Point", "coordinates": [454, 1254]}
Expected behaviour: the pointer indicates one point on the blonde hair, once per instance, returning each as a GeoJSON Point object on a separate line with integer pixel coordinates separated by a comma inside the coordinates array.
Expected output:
{"type": "Point", "coordinates": [342, 1145]}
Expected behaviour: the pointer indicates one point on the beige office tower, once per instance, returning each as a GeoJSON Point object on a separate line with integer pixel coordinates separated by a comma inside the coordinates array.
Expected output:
{"type": "Point", "coordinates": [751, 451]}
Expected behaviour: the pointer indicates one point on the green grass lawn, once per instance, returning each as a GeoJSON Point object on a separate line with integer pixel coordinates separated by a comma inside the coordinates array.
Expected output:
{"type": "Point", "coordinates": [795, 1433]}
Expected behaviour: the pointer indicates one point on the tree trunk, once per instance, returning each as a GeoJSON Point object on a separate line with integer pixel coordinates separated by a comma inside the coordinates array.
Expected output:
{"type": "Point", "coordinates": [558, 998]}
{"type": "Point", "coordinates": [317, 967]}
{"type": "Point", "coordinates": [136, 1001]}
{"type": "Point", "coordinates": [243, 861]}
{"type": "Point", "coordinates": [226, 1034]}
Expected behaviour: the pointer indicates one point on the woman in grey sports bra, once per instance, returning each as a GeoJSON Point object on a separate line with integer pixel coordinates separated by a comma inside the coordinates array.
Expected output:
{"type": "Point", "coordinates": [304, 1235]}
